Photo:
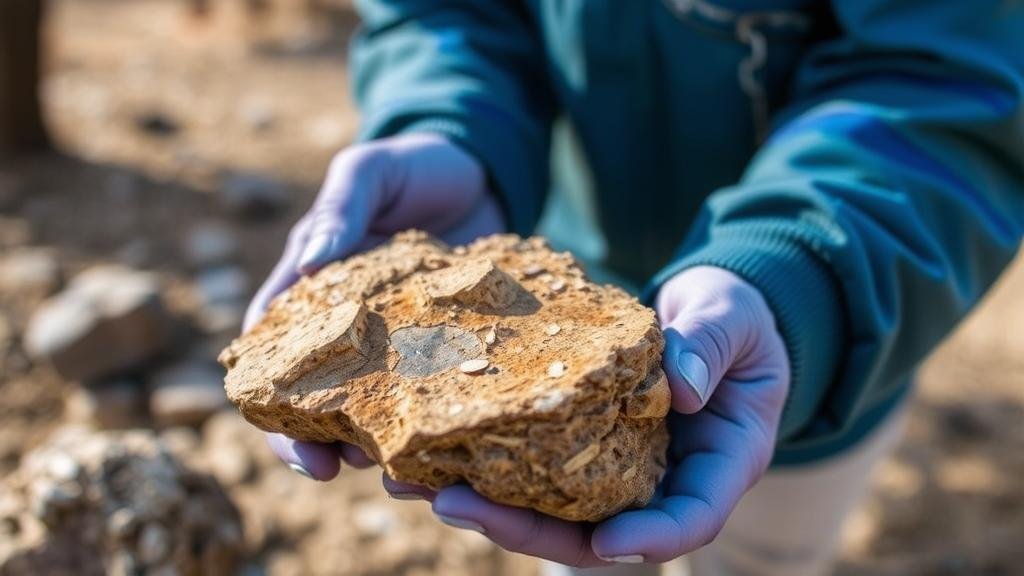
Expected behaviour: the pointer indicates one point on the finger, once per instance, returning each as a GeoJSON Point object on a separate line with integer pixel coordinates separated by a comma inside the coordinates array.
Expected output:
{"type": "Point", "coordinates": [517, 529]}
{"type": "Point", "coordinates": [404, 491]}
{"type": "Point", "coordinates": [281, 277]}
{"type": "Point", "coordinates": [431, 183]}
{"type": "Point", "coordinates": [312, 460]}
{"type": "Point", "coordinates": [354, 456]}
{"type": "Point", "coordinates": [700, 347]}
{"type": "Point", "coordinates": [350, 196]}
{"type": "Point", "coordinates": [722, 452]}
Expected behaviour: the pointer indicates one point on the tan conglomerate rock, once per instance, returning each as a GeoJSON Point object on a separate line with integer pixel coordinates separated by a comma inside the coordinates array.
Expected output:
{"type": "Point", "coordinates": [498, 364]}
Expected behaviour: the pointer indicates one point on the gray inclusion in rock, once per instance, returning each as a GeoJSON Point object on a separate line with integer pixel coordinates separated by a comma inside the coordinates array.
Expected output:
{"type": "Point", "coordinates": [426, 351]}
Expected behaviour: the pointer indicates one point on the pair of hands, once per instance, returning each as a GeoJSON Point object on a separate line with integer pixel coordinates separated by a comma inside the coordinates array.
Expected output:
{"type": "Point", "coordinates": [726, 363]}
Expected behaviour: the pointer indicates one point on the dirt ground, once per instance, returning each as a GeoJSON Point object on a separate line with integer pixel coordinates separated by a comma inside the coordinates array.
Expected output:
{"type": "Point", "coordinates": [151, 108]}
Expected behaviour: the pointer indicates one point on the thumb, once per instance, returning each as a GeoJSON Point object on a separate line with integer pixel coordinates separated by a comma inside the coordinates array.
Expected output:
{"type": "Point", "coordinates": [350, 196]}
{"type": "Point", "coordinates": [711, 326]}
{"type": "Point", "coordinates": [697, 356]}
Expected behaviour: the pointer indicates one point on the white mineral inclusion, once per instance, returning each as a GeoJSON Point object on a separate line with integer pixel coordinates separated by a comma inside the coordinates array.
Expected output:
{"type": "Point", "coordinates": [549, 401]}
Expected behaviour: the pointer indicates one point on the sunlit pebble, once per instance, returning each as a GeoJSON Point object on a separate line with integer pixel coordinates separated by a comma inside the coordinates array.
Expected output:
{"type": "Point", "coordinates": [556, 369]}
{"type": "Point", "coordinates": [557, 285]}
{"type": "Point", "coordinates": [490, 337]}
{"type": "Point", "coordinates": [459, 250]}
{"type": "Point", "coordinates": [474, 366]}
{"type": "Point", "coordinates": [533, 270]}
{"type": "Point", "coordinates": [546, 278]}
{"type": "Point", "coordinates": [454, 409]}
{"type": "Point", "coordinates": [552, 329]}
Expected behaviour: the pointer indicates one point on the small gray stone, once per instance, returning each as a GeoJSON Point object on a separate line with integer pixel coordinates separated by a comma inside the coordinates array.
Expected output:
{"type": "Point", "coordinates": [232, 466]}
{"type": "Point", "coordinates": [109, 319]}
{"type": "Point", "coordinates": [258, 114]}
{"type": "Point", "coordinates": [210, 244]}
{"type": "Point", "coordinates": [252, 195]}
{"type": "Point", "coordinates": [223, 285]}
{"type": "Point", "coordinates": [374, 519]}
{"type": "Point", "coordinates": [154, 544]}
{"type": "Point", "coordinates": [222, 318]}
{"type": "Point", "coordinates": [122, 523]}
{"type": "Point", "coordinates": [187, 393]}
{"type": "Point", "coordinates": [30, 271]}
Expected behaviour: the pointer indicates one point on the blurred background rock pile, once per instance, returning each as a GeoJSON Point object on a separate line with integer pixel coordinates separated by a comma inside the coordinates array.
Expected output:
{"type": "Point", "coordinates": [181, 139]}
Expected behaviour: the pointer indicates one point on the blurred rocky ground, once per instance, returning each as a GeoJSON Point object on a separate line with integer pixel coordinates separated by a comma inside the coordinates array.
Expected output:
{"type": "Point", "coordinates": [187, 146]}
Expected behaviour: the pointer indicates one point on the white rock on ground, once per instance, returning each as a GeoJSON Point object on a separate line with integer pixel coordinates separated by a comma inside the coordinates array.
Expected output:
{"type": "Point", "coordinates": [186, 393]}
{"type": "Point", "coordinates": [109, 319]}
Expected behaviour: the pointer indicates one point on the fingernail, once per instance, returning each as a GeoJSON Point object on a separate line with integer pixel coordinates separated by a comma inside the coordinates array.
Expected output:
{"type": "Point", "coordinates": [626, 559]}
{"type": "Point", "coordinates": [298, 468]}
{"type": "Point", "coordinates": [406, 496]}
{"type": "Point", "coordinates": [317, 252]}
{"type": "Point", "coordinates": [695, 372]}
{"type": "Point", "coordinates": [461, 523]}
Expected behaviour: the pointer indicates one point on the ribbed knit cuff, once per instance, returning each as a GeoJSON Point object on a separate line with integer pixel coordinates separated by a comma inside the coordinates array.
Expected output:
{"type": "Point", "coordinates": [804, 298]}
{"type": "Point", "coordinates": [515, 162]}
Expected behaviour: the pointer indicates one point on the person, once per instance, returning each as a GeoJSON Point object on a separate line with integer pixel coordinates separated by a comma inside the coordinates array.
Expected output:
{"type": "Point", "coordinates": [814, 193]}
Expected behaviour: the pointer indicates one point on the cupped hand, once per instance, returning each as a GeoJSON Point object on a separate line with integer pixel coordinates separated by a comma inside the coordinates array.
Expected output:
{"type": "Point", "coordinates": [729, 374]}
{"type": "Point", "coordinates": [372, 191]}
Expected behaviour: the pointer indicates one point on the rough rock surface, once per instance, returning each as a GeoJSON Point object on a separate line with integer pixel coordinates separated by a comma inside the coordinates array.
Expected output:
{"type": "Point", "coordinates": [498, 364]}
{"type": "Point", "coordinates": [113, 503]}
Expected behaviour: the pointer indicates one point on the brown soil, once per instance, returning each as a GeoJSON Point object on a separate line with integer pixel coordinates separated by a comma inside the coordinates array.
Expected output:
{"type": "Point", "coordinates": [951, 502]}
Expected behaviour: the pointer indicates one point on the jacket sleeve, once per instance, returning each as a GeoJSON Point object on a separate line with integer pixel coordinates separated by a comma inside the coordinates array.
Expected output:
{"type": "Point", "coordinates": [887, 200]}
{"type": "Point", "coordinates": [471, 70]}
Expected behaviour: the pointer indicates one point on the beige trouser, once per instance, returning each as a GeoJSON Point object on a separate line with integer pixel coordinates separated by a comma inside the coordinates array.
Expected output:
{"type": "Point", "coordinates": [788, 524]}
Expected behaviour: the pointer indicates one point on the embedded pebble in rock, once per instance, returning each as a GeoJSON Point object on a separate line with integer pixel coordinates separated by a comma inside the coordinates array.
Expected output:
{"type": "Point", "coordinates": [556, 370]}
{"type": "Point", "coordinates": [253, 196]}
{"type": "Point", "coordinates": [552, 329]}
{"type": "Point", "coordinates": [186, 394]}
{"type": "Point", "coordinates": [29, 272]}
{"type": "Point", "coordinates": [109, 319]}
{"type": "Point", "coordinates": [95, 502]}
{"type": "Point", "coordinates": [375, 351]}
{"type": "Point", "coordinates": [474, 366]}
{"type": "Point", "coordinates": [210, 244]}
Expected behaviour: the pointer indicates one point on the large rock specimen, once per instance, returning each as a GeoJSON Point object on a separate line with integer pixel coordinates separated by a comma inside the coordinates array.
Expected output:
{"type": "Point", "coordinates": [498, 364]}
{"type": "Point", "coordinates": [114, 503]}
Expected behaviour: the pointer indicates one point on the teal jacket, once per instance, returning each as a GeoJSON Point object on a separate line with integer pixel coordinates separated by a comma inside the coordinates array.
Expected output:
{"type": "Point", "coordinates": [860, 161]}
